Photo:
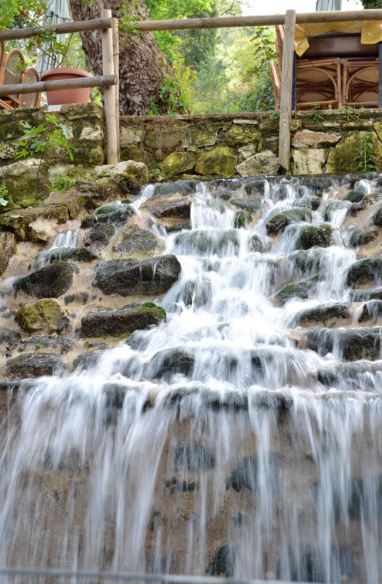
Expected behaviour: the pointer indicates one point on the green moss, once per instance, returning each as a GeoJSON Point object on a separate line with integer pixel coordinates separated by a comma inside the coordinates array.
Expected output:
{"type": "Point", "coordinates": [154, 309]}
{"type": "Point", "coordinates": [314, 236]}
{"type": "Point", "coordinates": [347, 154]}
{"type": "Point", "coordinates": [177, 163]}
{"type": "Point", "coordinates": [218, 161]}
{"type": "Point", "coordinates": [278, 222]}
{"type": "Point", "coordinates": [301, 289]}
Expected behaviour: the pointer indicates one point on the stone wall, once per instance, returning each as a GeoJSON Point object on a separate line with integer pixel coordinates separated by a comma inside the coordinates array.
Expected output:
{"type": "Point", "coordinates": [30, 181]}
{"type": "Point", "coordinates": [331, 142]}
{"type": "Point", "coordinates": [204, 147]}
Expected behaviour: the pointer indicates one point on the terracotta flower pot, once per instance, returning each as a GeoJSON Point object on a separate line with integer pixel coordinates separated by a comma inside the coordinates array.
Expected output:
{"type": "Point", "coordinates": [63, 96]}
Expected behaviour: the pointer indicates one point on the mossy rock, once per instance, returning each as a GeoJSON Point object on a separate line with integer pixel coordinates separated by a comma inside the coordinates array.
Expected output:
{"type": "Point", "coordinates": [45, 315]}
{"type": "Point", "coordinates": [136, 242]}
{"type": "Point", "coordinates": [27, 182]}
{"type": "Point", "coordinates": [301, 289]}
{"type": "Point", "coordinates": [314, 236]}
{"type": "Point", "coordinates": [280, 221]}
{"type": "Point", "coordinates": [8, 248]}
{"type": "Point", "coordinates": [200, 138]}
{"type": "Point", "coordinates": [348, 155]}
{"type": "Point", "coordinates": [122, 321]}
{"type": "Point", "coordinates": [239, 135]}
{"type": "Point", "coordinates": [221, 161]}
{"type": "Point", "coordinates": [177, 163]}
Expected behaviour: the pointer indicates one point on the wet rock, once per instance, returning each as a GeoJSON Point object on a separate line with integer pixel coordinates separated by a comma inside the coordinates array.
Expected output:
{"type": "Point", "coordinates": [314, 236]}
{"type": "Point", "coordinates": [179, 188]}
{"type": "Point", "coordinates": [277, 223]}
{"type": "Point", "coordinates": [328, 314]}
{"type": "Point", "coordinates": [368, 294]}
{"type": "Point", "coordinates": [112, 214]}
{"type": "Point", "coordinates": [80, 254]}
{"type": "Point", "coordinates": [47, 342]}
{"type": "Point", "coordinates": [301, 289]}
{"type": "Point", "coordinates": [310, 202]}
{"type": "Point", "coordinates": [356, 375]}
{"type": "Point", "coordinates": [176, 486]}
{"type": "Point", "coordinates": [86, 361]}
{"type": "Point", "coordinates": [9, 337]}
{"type": "Point", "coordinates": [49, 282]}
{"type": "Point", "coordinates": [223, 562]}
{"type": "Point", "coordinates": [193, 458]}
{"type": "Point", "coordinates": [33, 365]}
{"type": "Point", "coordinates": [8, 247]}
{"type": "Point", "coordinates": [164, 366]}
{"type": "Point", "coordinates": [372, 310]}
{"type": "Point", "coordinates": [134, 241]}
{"type": "Point", "coordinates": [256, 244]}
{"type": "Point", "coordinates": [220, 160]}
{"type": "Point", "coordinates": [254, 187]}
{"type": "Point", "coordinates": [365, 271]}
{"type": "Point", "coordinates": [244, 476]}
{"type": "Point", "coordinates": [115, 394]}
{"type": "Point", "coordinates": [335, 206]}
{"type": "Point", "coordinates": [80, 297]}
{"type": "Point", "coordinates": [208, 242]}
{"type": "Point", "coordinates": [122, 321]}
{"type": "Point", "coordinates": [127, 277]}
{"type": "Point", "coordinates": [355, 196]}
{"type": "Point", "coordinates": [169, 207]}
{"type": "Point", "coordinates": [360, 237]}
{"type": "Point", "coordinates": [250, 205]}
{"type": "Point", "coordinates": [44, 315]}
{"type": "Point", "coordinates": [273, 400]}
{"type": "Point", "coordinates": [377, 217]}
{"type": "Point", "coordinates": [353, 344]}
{"type": "Point", "coordinates": [99, 235]}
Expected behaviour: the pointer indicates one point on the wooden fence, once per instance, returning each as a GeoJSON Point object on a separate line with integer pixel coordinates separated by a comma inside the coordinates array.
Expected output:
{"type": "Point", "coordinates": [110, 51]}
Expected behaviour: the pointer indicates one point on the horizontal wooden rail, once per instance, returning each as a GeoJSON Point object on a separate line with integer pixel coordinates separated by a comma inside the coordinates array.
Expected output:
{"type": "Point", "coordinates": [270, 20]}
{"type": "Point", "coordinates": [96, 81]}
{"type": "Point", "coordinates": [67, 27]}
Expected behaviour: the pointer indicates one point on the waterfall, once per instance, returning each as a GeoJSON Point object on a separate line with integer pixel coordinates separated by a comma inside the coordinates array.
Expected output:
{"type": "Point", "coordinates": [234, 439]}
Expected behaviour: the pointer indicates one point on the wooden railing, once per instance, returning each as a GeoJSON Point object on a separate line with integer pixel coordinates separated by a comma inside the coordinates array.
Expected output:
{"type": "Point", "coordinates": [109, 79]}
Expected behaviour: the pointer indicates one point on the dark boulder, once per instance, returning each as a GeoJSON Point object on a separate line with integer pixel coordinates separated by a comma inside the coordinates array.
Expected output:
{"type": "Point", "coordinates": [99, 235]}
{"type": "Point", "coordinates": [169, 207]}
{"type": "Point", "coordinates": [244, 476]}
{"type": "Point", "coordinates": [178, 187]}
{"type": "Point", "coordinates": [314, 236]}
{"type": "Point", "coordinates": [129, 277]}
{"type": "Point", "coordinates": [330, 313]}
{"type": "Point", "coordinates": [121, 321]}
{"type": "Point", "coordinates": [368, 294]}
{"type": "Point", "coordinates": [165, 365]}
{"type": "Point", "coordinates": [353, 344]}
{"type": "Point", "coordinates": [365, 271]}
{"type": "Point", "coordinates": [9, 337]}
{"type": "Point", "coordinates": [49, 282]}
{"type": "Point", "coordinates": [136, 241]}
{"type": "Point", "coordinates": [33, 365]}
{"type": "Point", "coordinates": [85, 361]}
{"type": "Point", "coordinates": [277, 223]}
{"type": "Point", "coordinates": [356, 375]}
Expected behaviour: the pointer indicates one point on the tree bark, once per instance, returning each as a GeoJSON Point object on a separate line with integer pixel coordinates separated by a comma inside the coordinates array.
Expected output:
{"type": "Point", "coordinates": [142, 67]}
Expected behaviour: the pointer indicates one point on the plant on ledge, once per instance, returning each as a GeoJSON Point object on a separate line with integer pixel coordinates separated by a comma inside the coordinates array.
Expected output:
{"type": "Point", "coordinates": [372, 3]}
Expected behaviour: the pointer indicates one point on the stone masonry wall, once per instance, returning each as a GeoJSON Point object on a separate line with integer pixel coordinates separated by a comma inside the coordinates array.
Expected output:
{"type": "Point", "coordinates": [201, 147]}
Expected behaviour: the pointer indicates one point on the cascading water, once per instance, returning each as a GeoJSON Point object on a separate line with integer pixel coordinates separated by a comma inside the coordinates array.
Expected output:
{"type": "Point", "coordinates": [213, 443]}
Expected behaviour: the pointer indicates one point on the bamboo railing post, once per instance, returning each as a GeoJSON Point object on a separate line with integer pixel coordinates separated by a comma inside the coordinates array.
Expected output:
{"type": "Point", "coordinates": [286, 89]}
{"type": "Point", "coordinates": [116, 73]}
{"type": "Point", "coordinates": [109, 93]}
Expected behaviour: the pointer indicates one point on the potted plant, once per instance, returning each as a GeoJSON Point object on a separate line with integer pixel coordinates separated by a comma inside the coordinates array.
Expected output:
{"type": "Point", "coordinates": [57, 63]}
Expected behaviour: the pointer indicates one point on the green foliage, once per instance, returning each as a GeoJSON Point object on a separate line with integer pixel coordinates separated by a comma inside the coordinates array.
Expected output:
{"type": "Point", "coordinates": [21, 13]}
{"type": "Point", "coordinates": [36, 140]}
{"type": "Point", "coordinates": [366, 158]}
{"type": "Point", "coordinates": [372, 3]}
{"type": "Point", "coordinates": [63, 183]}
{"type": "Point", "coordinates": [3, 196]}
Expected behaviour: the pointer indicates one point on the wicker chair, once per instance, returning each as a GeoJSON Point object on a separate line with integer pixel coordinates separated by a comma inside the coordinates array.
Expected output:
{"type": "Point", "coordinates": [360, 82]}
{"type": "Point", "coordinates": [12, 70]}
{"type": "Point", "coordinates": [318, 81]}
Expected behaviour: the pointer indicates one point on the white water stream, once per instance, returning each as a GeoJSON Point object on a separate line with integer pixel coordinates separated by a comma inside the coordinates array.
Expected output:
{"type": "Point", "coordinates": [205, 445]}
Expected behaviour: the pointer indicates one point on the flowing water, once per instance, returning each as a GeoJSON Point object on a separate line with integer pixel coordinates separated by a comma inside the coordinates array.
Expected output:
{"type": "Point", "coordinates": [207, 445]}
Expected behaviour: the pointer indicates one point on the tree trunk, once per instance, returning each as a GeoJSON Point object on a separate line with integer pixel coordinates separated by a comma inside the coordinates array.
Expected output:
{"type": "Point", "coordinates": [142, 67]}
